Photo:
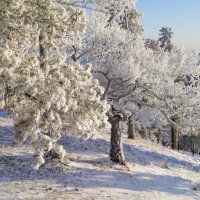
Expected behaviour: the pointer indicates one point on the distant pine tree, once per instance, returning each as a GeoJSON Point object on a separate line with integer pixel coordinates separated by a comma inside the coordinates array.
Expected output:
{"type": "Point", "coordinates": [165, 39]}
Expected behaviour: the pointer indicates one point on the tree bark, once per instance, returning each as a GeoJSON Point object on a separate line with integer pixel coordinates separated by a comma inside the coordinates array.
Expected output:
{"type": "Point", "coordinates": [175, 133]}
{"type": "Point", "coordinates": [131, 128]}
{"type": "Point", "coordinates": [42, 52]}
{"type": "Point", "coordinates": [116, 151]}
{"type": "Point", "coordinates": [193, 147]}
{"type": "Point", "coordinates": [184, 143]}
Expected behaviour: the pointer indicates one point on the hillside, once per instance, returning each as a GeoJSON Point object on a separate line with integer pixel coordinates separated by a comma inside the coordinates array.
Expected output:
{"type": "Point", "coordinates": [152, 172]}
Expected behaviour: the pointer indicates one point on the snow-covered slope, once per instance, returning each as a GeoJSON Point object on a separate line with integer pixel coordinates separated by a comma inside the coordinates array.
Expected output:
{"type": "Point", "coordinates": [152, 172]}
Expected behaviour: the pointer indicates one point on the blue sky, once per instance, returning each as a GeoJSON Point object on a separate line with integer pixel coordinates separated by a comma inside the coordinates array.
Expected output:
{"type": "Point", "coordinates": [183, 16]}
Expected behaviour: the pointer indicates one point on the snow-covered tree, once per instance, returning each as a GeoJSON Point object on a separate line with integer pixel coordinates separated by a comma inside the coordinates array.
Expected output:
{"type": "Point", "coordinates": [165, 39]}
{"type": "Point", "coordinates": [126, 15]}
{"type": "Point", "coordinates": [147, 78]}
{"type": "Point", "coordinates": [47, 96]}
{"type": "Point", "coordinates": [153, 44]}
{"type": "Point", "coordinates": [119, 58]}
{"type": "Point", "coordinates": [177, 101]}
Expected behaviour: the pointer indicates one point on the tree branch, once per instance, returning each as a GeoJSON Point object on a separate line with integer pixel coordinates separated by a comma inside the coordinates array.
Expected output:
{"type": "Point", "coordinates": [153, 106]}
{"type": "Point", "coordinates": [80, 6]}
{"type": "Point", "coordinates": [105, 74]}
{"type": "Point", "coordinates": [158, 97]}
{"type": "Point", "coordinates": [105, 94]}
{"type": "Point", "coordinates": [129, 93]}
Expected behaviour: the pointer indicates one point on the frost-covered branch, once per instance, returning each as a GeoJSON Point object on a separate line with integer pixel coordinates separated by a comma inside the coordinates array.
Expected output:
{"type": "Point", "coordinates": [158, 97]}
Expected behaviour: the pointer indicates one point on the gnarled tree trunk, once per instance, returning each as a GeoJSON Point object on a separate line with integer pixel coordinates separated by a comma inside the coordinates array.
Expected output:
{"type": "Point", "coordinates": [116, 151]}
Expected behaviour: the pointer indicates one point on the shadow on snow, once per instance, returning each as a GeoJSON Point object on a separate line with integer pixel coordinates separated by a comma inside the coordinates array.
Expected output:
{"type": "Point", "coordinates": [17, 168]}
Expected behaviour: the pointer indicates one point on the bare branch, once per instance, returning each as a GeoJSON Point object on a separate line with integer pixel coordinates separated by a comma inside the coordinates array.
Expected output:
{"type": "Point", "coordinates": [154, 94]}
{"type": "Point", "coordinates": [74, 58]}
{"type": "Point", "coordinates": [104, 97]}
{"type": "Point", "coordinates": [105, 74]}
{"type": "Point", "coordinates": [168, 119]}
{"type": "Point", "coordinates": [158, 97]}
{"type": "Point", "coordinates": [127, 94]}
{"type": "Point", "coordinates": [75, 4]}
{"type": "Point", "coordinates": [153, 106]}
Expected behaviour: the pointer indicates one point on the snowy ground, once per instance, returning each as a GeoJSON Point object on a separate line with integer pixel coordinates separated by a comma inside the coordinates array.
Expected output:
{"type": "Point", "coordinates": [152, 173]}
